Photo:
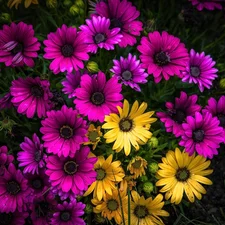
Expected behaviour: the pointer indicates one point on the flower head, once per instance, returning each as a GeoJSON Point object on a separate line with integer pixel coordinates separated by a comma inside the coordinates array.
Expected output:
{"type": "Point", "coordinates": [16, 217]}
{"type": "Point", "coordinates": [15, 3]}
{"type": "Point", "coordinates": [98, 97]}
{"type": "Point", "coordinates": [63, 131]}
{"type": "Point", "coordinates": [5, 159]}
{"type": "Point", "coordinates": [67, 49]}
{"type": "Point", "coordinates": [137, 166]}
{"type": "Point", "coordinates": [5, 101]}
{"type": "Point", "coordinates": [181, 173]}
{"type": "Point", "coordinates": [210, 5]}
{"type": "Point", "coordinates": [18, 46]}
{"type": "Point", "coordinates": [200, 70]}
{"type": "Point", "coordinates": [128, 128]}
{"type": "Point", "coordinates": [163, 55]}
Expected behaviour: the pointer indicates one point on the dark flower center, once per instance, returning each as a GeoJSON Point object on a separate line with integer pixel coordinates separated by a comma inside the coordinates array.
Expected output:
{"type": "Point", "coordinates": [161, 59]}
{"type": "Point", "coordinates": [115, 23]}
{"type": "Point", "coordinates": [17, 49]}
{"type": "Point", "coordinates": [182, 174]}
{"type": "Point", "coordinates": [127, 75]}
{"type": "Point", "coordinates": [112, 205]}
{"type": "Point", "coordinates": [38, 156]}
{"type": "Point", "coordinates": [179, 116]}
{"type": "Point", "coordinates": [93, 135]}
{"type": "Point", "coordinates": [100, 174]}
{"type": "Point", "coordinates": [37, 183]}
{"type": "Point", "coordinates": [13, 187]}
{"type": "Point", "coordinates": [195, 71]}
{"type": "Point", "coordinates": [99, 38]}
{"type": "Point", "coordinates": [97, 98]}
{"type": "Point", "coordinates": [65, 216]}
{"type": "Point", "coordinates": [141, 211]}
{"type": "Point", "coordinates": [136, 164]}
{"type": "Point", "coordinates": [198, 135]}
{"type": "Point", "coordinates": [221, 118]}
{"type": "Point", "coordinates": [37, 91]}
{"type": "Point", "coordinates": [6, 218]}
{"type": "Point", "coordinates": [126, 124]}
{"type": "Point", "coordinates": [66, 132]}
{"type": "Point", "coordinates": [67, 50]}
{"type": "Point", "coordinates": [70, 167]}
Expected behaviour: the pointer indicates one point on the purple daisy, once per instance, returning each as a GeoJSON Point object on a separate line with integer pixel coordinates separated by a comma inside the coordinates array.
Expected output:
{"type": "Point", "coordinates": [178, 111]}
{"type": "Point", "coordinates": [98, 97]}
{"type": "Point", "coordinates": [71, 83]}
{"type": "Point", "coordinates": [31, 95]}
{"type": "Point", "coordinates": [14, 192]}
{"type": "Point", "coordinates": [202, 134]}
{"type": "Point", "coordinates": [63, 131]}
{"type": "Point", "coordinates": [216, 108]}
{"type": "Point", "coordinates": [63, 195]}
{"type": "Point", "coordinates": [15, 218]}
{"type": "Point", "coordinates": [18, 46]}
{"type": "Point", "coordinates": [5, 159]}
{"type": "Point", "coordinates": [68, 213]}
{"type": "Point", "coordinates": [67, 49]}
{"type": "Point", "coordinates": [32, 156]}
{"type": "Point", "coordinates": [200, 70]}
{"type": "Point", "coordinates": [123, 15]}
{"type": "Point", "coordinates": [72, 173]}
{"type": "Point", "coordinates": [163, 55]}
{"type": "Point", "coordinates": [207, 4]}
{"type": "Point", "coordinates": [98, 34]}
{"type": "Point", "coordinates": [129, 71]}
{"type": "Point", "coordinates": [5, 101]}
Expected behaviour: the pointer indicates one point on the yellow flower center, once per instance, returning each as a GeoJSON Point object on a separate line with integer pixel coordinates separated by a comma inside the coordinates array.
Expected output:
{"type": "Point", "coordinates": [112, 205]}
{"type": "Point", "coordinates": [93, 135]}
{"type": "Point", "coordinates": [100, 174]}
{"type": "Point", "coordinates": [70, 167]}
{"type": "Point", "coordinates": [137, 164]}
{"type": "Point", "coordinates": [126, 124]}
{"type": "Point", "coordinates": [182, 174]}
{"type": "Point", "coordinates": [141, 211]}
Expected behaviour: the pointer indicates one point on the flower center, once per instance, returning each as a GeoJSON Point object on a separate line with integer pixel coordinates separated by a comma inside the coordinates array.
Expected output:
{"type": "Point", "coordinates": [67, 50]}
{"type": "Point", "coordinates": [198, 135]}
{"type": "Point", "coordinates": [6, 218]}
{"type": "Point", "coordinates": [161, 59]}
{"type": "Point", "coordinates": [115, 23]}
{"type": "Point", "coordinates": [38, 156]}
{"type": "Point", "coordinates": [221, 118]}
{"type": "Point", "coordinates": [37, 183]}
{"type": "Point", "coordinates": [137, 164]}
{"type": "Point", "coordinates": [125, 124]}
{"type": "Point", "coordinates": [66, 132]}
{"type": "Point", "coordinates": [93, 135]}
{"type": "Point", "coordinates": [65, 216]}
{"type": "Point", "coordinates": [70, 167]}
{"type": "Point", "coordinates": [112, 205]}
{"type": "Point", "coordinates": [127, 75]}
{"type": "Point", "coordinates": [100, 174]}
{"type": "Point", "coordinates": [99, 38]}
{"type": "Point", "coordinates": [37, 91]}
{"type": "Point", "coordinates": [97, 98]}
{"type": "Point", "coordinates": [141, 211]}
{"type": "Point", "coordinates": [182, 174]}
{"type": "Point", "coordinates": [17, 49]}
{"type": "Point", "coordinates": [195, 71]}
{"type": "Point", "coordinates": [13, 187]}
{"type": "Point", "coordinates": [179, 116]}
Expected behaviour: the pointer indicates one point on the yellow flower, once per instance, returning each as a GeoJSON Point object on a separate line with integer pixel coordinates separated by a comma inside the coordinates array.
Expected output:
{"type": "Point", "coordinates": [27, 3]}
{"type": "Point", "coordinates": [108, 174]}
{"type": "Point", "coordinates": [145, 211]}
{"type": "Point", "coordinates": [110, 206]}
{"type": "Point", "coordinates": [127, 182]}
{"type": "Point", "coordinates": [94, 135]}
{"type": "Point", "coordinates": [181, 173]}
{"type": "Point", "coordinates": [137, 166]}
{"type": "Point", "coordinates": [128, 128]}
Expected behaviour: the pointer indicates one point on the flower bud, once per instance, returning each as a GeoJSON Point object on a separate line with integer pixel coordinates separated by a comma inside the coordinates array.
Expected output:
{"type": "Point", "coordinates": [148, 187]}
{"type": "Point", "coordinates": [67, 3]}
{"type": "Point", "coordinates": [79, 3]}
{"type": "Point", "coordinates": [92, 67]}
{"type": "Point", "coordinates": [51, 3]}
{"type": "Point", "coordinates": [74, 10]}
{"type": "Point", "coordinates": [88, 209]}
{"type": "Point", "coordinates": [153, 167]}
{"type": "Point", "coordinates": [144, 178]}
{"type": "Point", "coordinates": [5, 17]}
{"type": "Point", "coordinates": [153, 142]}
{"type": "Point", "coordinates": [222, 83]}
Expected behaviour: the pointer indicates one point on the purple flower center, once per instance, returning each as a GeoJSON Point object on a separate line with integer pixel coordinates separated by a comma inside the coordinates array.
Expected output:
{"type": "Point", "coordinates": [125, 124]}
{"type": "Point", "coordinates": [182, 174]}
{"type": "Point", "coordinates": [37, 91]}
{"type": "Point", "coordinates": [100, 174]}
{"type": "Point", "coordinates": [178, 116]}
{"type": "Point", "coordinates": [18, 48]}
{"type": "Point", "coordinates": [115, 23]}
{"type": "Point", "coordinates": [13, 187]}
{"type": "Point", "coordinates": [198, 135]}
{"type": "Point", "coordinates": [65, 216]}
{"type": "Point", "coordinates": [161, 58]}
{"type": "Point", "coordinates": [6, 218]}
{"type": "Point", "coordinates": [38, 156]}
{"type": "Point", "coordinates": [70, 167]}
{"type": "Point", "coordinates": [112, 205]}
{"type": "Point", "coordinates": [99, 38]}
{"type": "Point", "coordinates": [37, 183]}
{"type": "Point", "coordinates": [141, 211]}
{"type": "Point", "coordinates": [66, 132]}
{"type": "Point", "coordinates": [221, 118]}
{"type": "Point", "coordinates": [67, 50]}
{"type": "Point", "coordinates": [127, 75]}
{"type": "Point", "coordinates": [97, 98]}
{"type": "Point", "coordinates": [195, 71]}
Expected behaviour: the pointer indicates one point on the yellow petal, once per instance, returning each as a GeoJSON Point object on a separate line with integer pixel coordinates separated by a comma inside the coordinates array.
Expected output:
{"type": "Point", "coordinates": [194, 184]}
{"type": "Point", "coordinates": [201, 179]}
{"type": "Point", "coordinates": [177, 193]}
{"type": "Point", "coordinates": [189, 193]}
{"type": "Point", "coordinates": [179, 158]}
{"type": "Point", "coordinates": [135, 196]}
{"type": "Point", "coordinates": [171, 159]}
{"type": "Point", "coordinates": [200, 167]}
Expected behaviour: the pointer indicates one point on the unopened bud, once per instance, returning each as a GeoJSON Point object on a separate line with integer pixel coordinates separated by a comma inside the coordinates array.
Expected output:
{"type": "Point", "coordinates": [79, 3]}
{"type": "Point", "coordinates": [92, 67]}
{"type": "Point", "coordinates": [67, 3]}
{"type": "Point", "coordinates": [153, 142]}
{"type": "Point", "coordinates": [144, 178]}
{"type": "Point", "coordinates": [222, 83]}
{"type": "Point", "coordinates": [153, 167]}
{"type": "Point", "coordinates": [5, 17]}
{"type": "Point", "coordinates": [148, 187]}
{"type": "Point", "coordinates": [74, 10]}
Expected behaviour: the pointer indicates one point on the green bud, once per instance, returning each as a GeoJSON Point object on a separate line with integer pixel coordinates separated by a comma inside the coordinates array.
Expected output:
{"type": "Point", "coordinates": [153, 167]}
{"type": "Point", "coordinates": [74, 10]}
{"type": "Point", "coordinates": [79, 3]}
{"type": "Point", "coordinates": [153, 142]}
{"type": "Point", "coordinates": [5, 17]}
{"type": "Point", "coordinates": [148, 187]}
{"type": "Point", "coordinates": [51, 3]}
{"type": "Point", "coordinates": [99, 219]}
{"type": "Point", "coordinates": [92, 67]}
{"type": "Point", "coordinates": [67, 3]}
{"type": "Point", "coordinates": [222, 83]}
{"type": "Point", "coordinates": [144, 178]}
{"type": "Point", "coordinates": [88, 209]}
{"type": "Point", "coordinates": [7, 124]}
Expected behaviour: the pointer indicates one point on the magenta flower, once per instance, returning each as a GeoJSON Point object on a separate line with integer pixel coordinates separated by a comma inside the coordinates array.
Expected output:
{"type": "Point", "coordinates": [177, 113]}
{"type": "Point", "coordinates": [32, 156]}
{"type": "Point", "coordinates": [200, 70]}
{"type": "Point", "coordinates": [31, 95]}
{"type": "Point", "coordinates": [18, 46]}
{"type": "Point", "coordinates": [69, 213]}
{"type": "Point", "coordinates": [63, 131]}
{"type": "Point", "coordinates": [123, 15]}
{"type": "Point", "coordinates": [63, 195]}
{"type": "Point", "coordinates": [97, 97]}
{"type": "Point", "coordinates": [15, 218]}
{"type": "Point", "coordinates": [5, 159]}
{"type": "Point", "coordinates": [74, 173]}
{"type": "Point", "coordinates": [14, 192]}
{"type": "Point", "coordinates": [129, 72]}
{"type": "Point", "coordinates": [98, 34]}
{"type": "Point", "coordinates": [163, 55]}
{"type": "Point", "coordinates": [5, 101]}
{"type": "Point", "coordinates": [67, 49]}
{"type": "Point", "coordinates": [202, 134]}
{"type": "Point", "coordinates": [210, 5]}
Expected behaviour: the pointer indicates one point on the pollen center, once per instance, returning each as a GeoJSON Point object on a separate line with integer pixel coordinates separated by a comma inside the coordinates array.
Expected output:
{"type": "Point", "coordinates": [37, 183]}
{"type": "Point", "coordinates": [65, 216]}
{"type": "Point", "coordinates": [198, 135]}
{"type": "Point", "coordinates": [13, 187]}
{"type": "Point", "coordinates": [70, 167]}
{"type": "Point", "coordinates": [161, 59]}
{"type": "Point", "coordinates": [93, 135]}
{"type": "Point", "coordinates": [141, 211]}
{"type": "Point", "coordinates": [67, 50]}
{"type": "Point", "coordinates": [182, 174]}
{"type": "Point", "coordinates": [125, 124]}
{"type": "Point", "coordinates": [137, 164]}
{"type": "Point", "coordinates": [221, 118]}
{"type": "Point", "coordinates": [37, 91]}
{"type": "Point", "coordinates": [18, 48]}
{"type": "Point", "coordinates": [99, 38]}
{"type": "Point", "coordinates": [66, 132]}
{"type": "Point", "coordinates": [195, 71]}
{"type": "Point", "coordinates": [112, 205]}
{"type": "Point", "coordinates": [97, 98]}
{"type": "Point", "coordinates": [100, 174]}
{"type": "Point", "coordinates": [5, 218]}
{"type": "Point", "coordinates": [127, 75]}
{"type": "Point", "coordinates": [115, 23]}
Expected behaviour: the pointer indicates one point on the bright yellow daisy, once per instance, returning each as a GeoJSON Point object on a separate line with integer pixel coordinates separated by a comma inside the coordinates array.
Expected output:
{"type": "Point", "coordinates": [128, 128]}
{"type": "Point", "coordinates": [137, 166]}
{"type": "Point", "coordinates": [110, 207]}
{"type": "Point", "coordinates": [15, 3]}
{"type": "Point", "coordinates": [145, 211]}
{"type": "Point", "coordinates": [181, 173]}
{"type": "Point", "coordinates": [109, 173]}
